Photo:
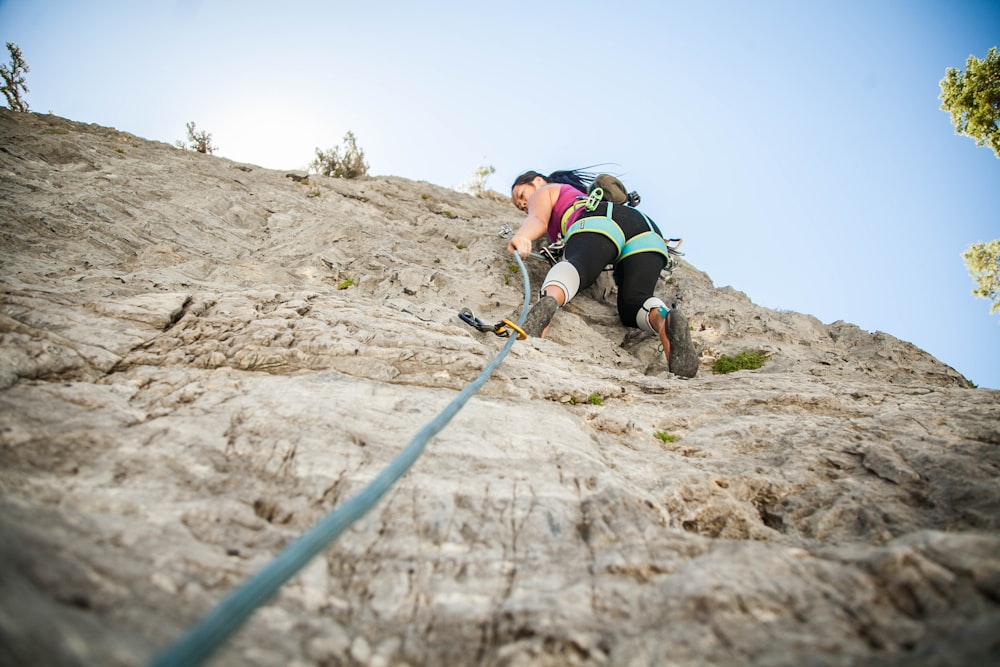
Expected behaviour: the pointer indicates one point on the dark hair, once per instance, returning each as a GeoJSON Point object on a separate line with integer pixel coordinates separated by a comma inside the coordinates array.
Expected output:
{"type": "Point", "coordinates": [578, 178]}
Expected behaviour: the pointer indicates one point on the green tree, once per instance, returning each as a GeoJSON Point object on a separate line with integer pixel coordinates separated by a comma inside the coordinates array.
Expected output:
{"type": "Point", "coordinates": [973, 99]}
{"type": "Point", "coordinates": [13, 79]}
{"type": "Point", "coordinates": [349, 164]}
{"type": "Point", "coordinates": [983, 260]}
{"type": "Point", "coordinates": [476, 186]}
{"type": "Point", "coordinates": [200, 142]}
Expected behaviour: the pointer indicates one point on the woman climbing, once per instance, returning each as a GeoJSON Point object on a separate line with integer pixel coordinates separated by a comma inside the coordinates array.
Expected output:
{"type": "Point", "coordinates": [608, 234]}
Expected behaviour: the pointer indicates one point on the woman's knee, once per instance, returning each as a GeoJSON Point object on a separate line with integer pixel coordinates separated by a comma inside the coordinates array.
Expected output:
{"type": "Point", "coordinates": [565, 277]}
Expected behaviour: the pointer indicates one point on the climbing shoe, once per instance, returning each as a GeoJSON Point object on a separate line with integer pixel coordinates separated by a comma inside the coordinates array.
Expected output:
{"type": "Point", "coordinates": [682, 358]}
{"type": "Point", "coordinates": [540, 315]}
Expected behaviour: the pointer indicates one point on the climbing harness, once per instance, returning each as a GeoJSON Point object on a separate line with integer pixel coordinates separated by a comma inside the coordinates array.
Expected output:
{"type": "Point", "coordinates": [648, 241]}
{"type": "Point", "coordinates": [207, 636]}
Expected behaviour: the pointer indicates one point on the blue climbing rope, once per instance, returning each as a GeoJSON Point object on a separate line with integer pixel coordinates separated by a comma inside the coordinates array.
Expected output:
{"type": "Point", "coordinates": [207, 636]}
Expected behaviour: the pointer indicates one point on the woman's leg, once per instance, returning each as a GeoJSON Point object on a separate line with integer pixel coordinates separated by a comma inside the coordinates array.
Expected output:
{"type": "Point", "coordinates": [585, 256]}
{"type": "Point", "coordinates": [637, 277]}
{"type": "Point", "coordinates": [639, 307]}
{"type": "Point", "coordinates": [588, 253]}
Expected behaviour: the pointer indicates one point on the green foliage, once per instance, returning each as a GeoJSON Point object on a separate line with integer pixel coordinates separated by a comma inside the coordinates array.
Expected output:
{"type": "Point", "coordinates": [14, 83]}
{"type": "Point", "coordinates": [476, 186]}
{"type": "Point", "coordinates": [593, 399]}
{"type": "Point", "coordinates": [461, 246]}
{"type": "Point", "coordinates": [983, 262]}
{"type": "Point", "coordinates": [973, 99]}
{"type": "Point", "coordinates": [665, 437]}
{"type": "Point", "coordinates": [747, 360]}
{"type": "Point", "coordinates": [200, 142]}
{"type": "Point", "coordinates": [348, 162]}
{"type": "Point", "coordinates": [345, 283]}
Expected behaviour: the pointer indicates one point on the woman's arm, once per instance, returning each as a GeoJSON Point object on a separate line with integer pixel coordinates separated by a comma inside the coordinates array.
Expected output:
{"type": "Point", "coordinates": [537, 223]}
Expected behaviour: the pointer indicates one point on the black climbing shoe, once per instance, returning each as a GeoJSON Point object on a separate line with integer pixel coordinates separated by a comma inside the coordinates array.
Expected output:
{"type": "Point", "coordinates": [683, 358]}
{"type": "Point", "coordinates": [540, 315]}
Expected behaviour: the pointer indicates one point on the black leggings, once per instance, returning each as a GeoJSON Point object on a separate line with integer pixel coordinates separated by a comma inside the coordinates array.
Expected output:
{"type": "Point", "coordinates": [636, 275]}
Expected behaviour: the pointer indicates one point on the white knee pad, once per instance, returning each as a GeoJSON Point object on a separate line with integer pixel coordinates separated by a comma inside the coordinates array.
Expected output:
{"type": "Point", "coordinates": [564, 276]}
{"type": "Point", "coordinates": [642, 317]}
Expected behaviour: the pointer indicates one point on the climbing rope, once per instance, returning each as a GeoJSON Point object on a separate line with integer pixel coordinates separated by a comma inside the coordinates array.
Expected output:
{"type": "Point", "coordinates": [208, 635]}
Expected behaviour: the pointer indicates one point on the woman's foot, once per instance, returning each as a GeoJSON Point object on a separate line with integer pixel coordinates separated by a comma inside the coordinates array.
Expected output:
{"type": "Point", "coordinates": [682, 358]}
{"type": "Point", "coordinates": [540, 315]}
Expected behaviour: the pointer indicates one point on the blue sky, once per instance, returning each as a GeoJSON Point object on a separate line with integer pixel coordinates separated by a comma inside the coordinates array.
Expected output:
{"type": "Point", "coordinates": [798, 147]}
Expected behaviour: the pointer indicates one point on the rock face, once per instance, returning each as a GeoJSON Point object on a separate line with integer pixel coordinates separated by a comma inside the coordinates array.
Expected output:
{"type": "Point", "coordinates": [200, 359]}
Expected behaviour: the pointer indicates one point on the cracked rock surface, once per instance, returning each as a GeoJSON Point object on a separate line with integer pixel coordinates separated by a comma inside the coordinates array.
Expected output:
{"type": "Point", "coordinates": [200, 359]}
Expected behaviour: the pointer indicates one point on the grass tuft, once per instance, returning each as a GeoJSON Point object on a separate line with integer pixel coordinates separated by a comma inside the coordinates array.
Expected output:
{"type": "Point", "coordinates": [747, 360]}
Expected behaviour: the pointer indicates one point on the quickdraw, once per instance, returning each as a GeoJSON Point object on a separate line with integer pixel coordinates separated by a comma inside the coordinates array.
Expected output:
{"type": "Point", "coordinates": [501, 328]}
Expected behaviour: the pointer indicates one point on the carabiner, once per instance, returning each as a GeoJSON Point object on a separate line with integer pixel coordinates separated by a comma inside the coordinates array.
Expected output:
{"type": "Point", "coordinates": [469, 318]}
{"type": "Point", "coordinates": [594, 198]}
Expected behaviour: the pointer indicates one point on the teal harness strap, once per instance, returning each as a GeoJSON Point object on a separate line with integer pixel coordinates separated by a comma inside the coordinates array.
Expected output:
{"type": "Point", "coordinates": [648, 241]}
{"type": "Point", "coordinates": [600, 224]}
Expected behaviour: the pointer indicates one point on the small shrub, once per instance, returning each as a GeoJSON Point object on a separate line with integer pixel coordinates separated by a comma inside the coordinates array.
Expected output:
{"type": "Point", "coordinates": [14, 83]}
{"type": "Point", "coordinates": [476, 186]}
{"type": "Point", "coordinates": [663, 436]}
{"type": "Point", "coordinates": [345, 283]}
{"type": "Point", "coordinates": [350, 164]}
{"type": "Point", "coordinates": [461, 246]}
{"type": "Point", "coordinates": [595, 399]}
{"type": "Point", "coordinates": [747, 360]}
{"type": "Point", "coordinates": [200, 142]}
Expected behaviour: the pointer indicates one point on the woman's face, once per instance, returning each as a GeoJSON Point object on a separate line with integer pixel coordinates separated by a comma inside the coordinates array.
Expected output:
{"type": "Point", "coordinates": [520, 194]}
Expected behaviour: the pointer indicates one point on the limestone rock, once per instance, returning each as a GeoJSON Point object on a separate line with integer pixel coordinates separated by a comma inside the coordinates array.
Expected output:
{"type": "Point", "coordinates": [199, 359]}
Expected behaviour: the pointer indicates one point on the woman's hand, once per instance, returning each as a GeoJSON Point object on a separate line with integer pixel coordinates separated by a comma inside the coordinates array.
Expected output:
{"type": "Point", "coordinates": [534, 226]}
{"type": "Point", "coordinates": [520, 245]}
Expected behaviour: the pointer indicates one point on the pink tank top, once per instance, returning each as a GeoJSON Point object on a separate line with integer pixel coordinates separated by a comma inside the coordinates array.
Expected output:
{"type": "Point", "coordinates": [567, 197]}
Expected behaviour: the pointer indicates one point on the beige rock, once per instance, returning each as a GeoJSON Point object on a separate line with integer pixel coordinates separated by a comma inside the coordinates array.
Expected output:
{"type": "Point", "coordinates": [200, 359]}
